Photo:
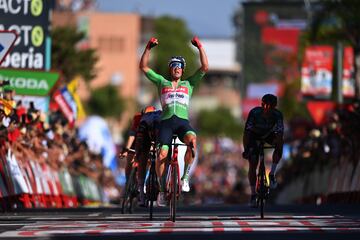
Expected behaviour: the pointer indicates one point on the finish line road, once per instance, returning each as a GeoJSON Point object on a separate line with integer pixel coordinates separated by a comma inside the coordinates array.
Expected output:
{"type": "Point", "coordinates": [197, 222]}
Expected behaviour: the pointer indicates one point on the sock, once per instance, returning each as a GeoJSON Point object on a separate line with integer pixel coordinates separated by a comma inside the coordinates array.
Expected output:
{"type": "Point", "coordinates": [273, 169]}
{"type": "Point", "coordinates": [252, 188]}
{"type": "Point", "coordinates": [186, 171]}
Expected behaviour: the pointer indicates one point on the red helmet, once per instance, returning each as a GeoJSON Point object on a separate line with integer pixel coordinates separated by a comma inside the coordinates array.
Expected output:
{"type": "Point", "coordinates": [148, 109]}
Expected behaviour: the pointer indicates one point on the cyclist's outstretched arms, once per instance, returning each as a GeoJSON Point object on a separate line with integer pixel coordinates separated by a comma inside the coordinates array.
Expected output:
{"type": "Point", "coordinates": [203, 58]}
{"type": "Point", "coordinates": [144, 61]}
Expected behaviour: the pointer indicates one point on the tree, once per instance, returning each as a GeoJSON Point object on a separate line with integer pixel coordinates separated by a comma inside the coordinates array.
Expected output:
{"type": "Point", "coordinates": [174, 40]}
{"type": "Point", "coordinates": [217, 122]}
{"type": "Point", "coordinates": [106, 102]}
{"type": "Point", "coordinates": [67, 58]}
{"type": "Point", "coordinates": [338, 20]}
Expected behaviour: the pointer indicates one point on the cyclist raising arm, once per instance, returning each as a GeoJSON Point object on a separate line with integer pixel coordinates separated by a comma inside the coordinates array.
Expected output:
{"type": "Point", "coordinates": [175, 97]}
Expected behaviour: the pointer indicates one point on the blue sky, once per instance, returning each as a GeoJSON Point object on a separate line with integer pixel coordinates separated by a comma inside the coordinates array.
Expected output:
{"type": "Point", "coordinates": [205, 18]}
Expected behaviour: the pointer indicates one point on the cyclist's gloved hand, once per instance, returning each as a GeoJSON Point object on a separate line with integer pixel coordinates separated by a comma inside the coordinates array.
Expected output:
{"type": "Point", "coordinates": [196, 42]}
{"type": "Point", "coordinates": [152, 43]}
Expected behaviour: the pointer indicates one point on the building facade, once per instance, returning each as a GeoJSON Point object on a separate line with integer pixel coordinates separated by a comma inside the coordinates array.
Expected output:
{"type": "Point", "coordinates": [117, 47]}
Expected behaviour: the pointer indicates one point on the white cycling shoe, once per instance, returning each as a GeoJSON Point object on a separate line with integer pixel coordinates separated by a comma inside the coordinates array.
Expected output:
{"type": "Point", "coordinates": [185, 187]}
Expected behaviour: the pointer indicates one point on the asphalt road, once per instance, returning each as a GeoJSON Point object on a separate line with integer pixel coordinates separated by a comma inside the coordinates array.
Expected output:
{"type": "Point", "coordinates": [196, 222]}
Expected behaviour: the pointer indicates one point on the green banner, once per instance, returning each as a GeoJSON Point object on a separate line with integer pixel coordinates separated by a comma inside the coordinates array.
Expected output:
{"type": "Point", "coordinates": [30, 83]}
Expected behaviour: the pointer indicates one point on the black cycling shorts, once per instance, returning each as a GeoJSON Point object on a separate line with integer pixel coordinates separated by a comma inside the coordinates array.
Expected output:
{"type": "Point", "coordinates": [272, 139]}
{"type": "Point", "coordinates": [171, 126]}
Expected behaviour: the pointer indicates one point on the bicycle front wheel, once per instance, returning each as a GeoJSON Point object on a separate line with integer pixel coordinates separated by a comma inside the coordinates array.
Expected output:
{"type": "Point", "coordinates": [152, 190]}
{"type": "Point", "coordinates": [261, 194]}
{"type": "Point", "coordinates": [174, 189]}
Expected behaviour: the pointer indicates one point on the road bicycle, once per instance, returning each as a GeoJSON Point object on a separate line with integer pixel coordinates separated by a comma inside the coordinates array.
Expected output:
{"type": "Point", "coordinates": [262, 184]}
{"type": "Point", "coordinates": [131, 189]}
{"type": "Point", "coordinates": [173, 183]}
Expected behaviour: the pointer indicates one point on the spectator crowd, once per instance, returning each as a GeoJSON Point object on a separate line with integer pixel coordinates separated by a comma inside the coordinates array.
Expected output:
{"type": "Point", "coordinates": [49, 141]}
{"type": "Point", "coordinates": [333, 145]}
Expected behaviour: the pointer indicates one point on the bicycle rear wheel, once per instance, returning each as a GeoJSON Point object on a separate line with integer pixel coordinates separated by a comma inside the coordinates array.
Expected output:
{"type": "Point", "coordinates": [127, 204]}
{"type": "Point", "coordinates": [174, 188]}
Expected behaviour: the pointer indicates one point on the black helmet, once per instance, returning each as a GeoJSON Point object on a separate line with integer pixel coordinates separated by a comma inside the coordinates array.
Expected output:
{"type": "Point", "coordinates": [269, 99]}
{"type": "Point", "coordinates": [178, 59]}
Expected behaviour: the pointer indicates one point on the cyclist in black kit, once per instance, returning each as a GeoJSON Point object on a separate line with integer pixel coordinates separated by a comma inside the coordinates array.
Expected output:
{"type": "Point", "coordinates": [147, 131]}
{"type": "Point", "coordinates": [265, 122]}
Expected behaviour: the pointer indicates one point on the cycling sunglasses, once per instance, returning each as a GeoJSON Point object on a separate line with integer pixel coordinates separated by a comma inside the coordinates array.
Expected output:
{"type": "Point", "coordinates": [176, 65]}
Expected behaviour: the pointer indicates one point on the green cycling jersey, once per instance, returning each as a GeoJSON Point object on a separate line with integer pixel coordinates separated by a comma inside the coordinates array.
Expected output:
{"type": "Point", "coordinates": [175, 101]}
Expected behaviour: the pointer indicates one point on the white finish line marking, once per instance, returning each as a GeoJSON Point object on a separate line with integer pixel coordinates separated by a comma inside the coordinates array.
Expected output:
{"type": "Point", "coordinates": [159, 230]}
{"type": "Point", "coordinates": [318, 224]}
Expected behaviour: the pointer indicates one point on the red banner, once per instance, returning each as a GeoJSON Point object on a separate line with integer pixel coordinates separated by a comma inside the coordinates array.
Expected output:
{"type": "Point", "coordinates": [348, 73]}
{"type": "Point", "coordinates": [284, 38]}
{"type": "Point", "coordinates": [316, 72]}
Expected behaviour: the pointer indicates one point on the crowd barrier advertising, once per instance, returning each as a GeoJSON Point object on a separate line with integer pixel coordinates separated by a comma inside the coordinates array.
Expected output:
{"type": "Point", "coordinates": [32, 184]}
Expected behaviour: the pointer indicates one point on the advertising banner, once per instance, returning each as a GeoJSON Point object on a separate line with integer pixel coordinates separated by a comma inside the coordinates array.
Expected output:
{"type": "Point", "coordinates": [31, 83]}
{"type": "Point", "coordinates": [30, 19]}
{"type": "Point", "coordinates": [316, 72]}
{"type": "Point", "coordinates": [348, 73]}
